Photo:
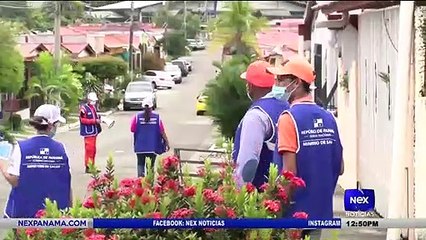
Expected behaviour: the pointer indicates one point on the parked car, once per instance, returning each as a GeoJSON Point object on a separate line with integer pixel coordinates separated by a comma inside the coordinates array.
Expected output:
{"type": "Point", "coordinates": [158, 79]}
{"type": "Point", "coordinates": [174, 71]}
{"type": "Point", "coordinates": [192, 44]}
{"type": "Point", "coordinates": [201, 45]}
{"type": "Point", "coordinates": [188, 62]}
{"type": "Point", "coordinates": [201, 106]}
{"type": "Point", "coordinates": [183, 67]}
{"type": "Point", "coordinates": [136, 92]}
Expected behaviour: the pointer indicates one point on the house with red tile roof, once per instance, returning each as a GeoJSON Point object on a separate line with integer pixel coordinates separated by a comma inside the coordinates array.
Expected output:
{"type": "Point", "coordinates": [31, 50]}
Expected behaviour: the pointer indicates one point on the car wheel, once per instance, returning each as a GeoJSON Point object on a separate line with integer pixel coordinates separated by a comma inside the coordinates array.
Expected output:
{"type": "Point", "coordinates": [126, 108]}
{"type": "Point", "coordinates": [154, 85]}
{"type": "Point", "coordinates": [169, 87]}
{"type": "Point", "coordinates": [200, 113]}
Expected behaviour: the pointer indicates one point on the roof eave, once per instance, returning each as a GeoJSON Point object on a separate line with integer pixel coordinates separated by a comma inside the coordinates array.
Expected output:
{"type": "Point", "coordinates": [344, 6]}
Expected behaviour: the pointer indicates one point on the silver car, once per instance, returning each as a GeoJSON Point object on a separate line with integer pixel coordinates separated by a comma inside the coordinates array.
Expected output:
{"type": "Point", "coordinates": [136, 92]}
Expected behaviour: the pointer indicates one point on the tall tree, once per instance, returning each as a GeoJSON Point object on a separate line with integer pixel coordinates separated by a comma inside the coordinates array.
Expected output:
{"type": "Point", "coordinates": [238, 27]}
{"type": "Point", "coordinates": [17, 11]}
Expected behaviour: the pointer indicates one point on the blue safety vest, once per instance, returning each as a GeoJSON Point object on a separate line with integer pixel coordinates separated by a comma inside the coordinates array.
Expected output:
{"type": "Point", "coordinates": [273, 108]}
{"type": "Point", "coordinates": [44, 173]}
{"type": "Point", "coordinates": [87, 130]}
{"type": "Point", "coordinates": [318, 159]}
{"type": "Point", "coordinates": [148, 137]}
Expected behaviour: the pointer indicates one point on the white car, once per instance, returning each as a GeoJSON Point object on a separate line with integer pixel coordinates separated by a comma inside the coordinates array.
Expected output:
{"type": "Point", "coordinates": [158, 79]}
{"type": "Point", "coordinates": [188, 62]}
{"type": "Point", "coordinates": [201, 44]}
{"type": "Point", "coordinates": [136, 92]}
{"type": "Point", "coordinates": [174, 71]}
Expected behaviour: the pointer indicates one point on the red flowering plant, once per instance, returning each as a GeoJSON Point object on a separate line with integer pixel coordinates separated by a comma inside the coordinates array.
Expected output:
{"type": "Point", "coordinates": [168, 195]}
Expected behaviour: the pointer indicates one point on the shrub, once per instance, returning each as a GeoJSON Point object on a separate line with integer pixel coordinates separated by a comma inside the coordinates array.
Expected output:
{"type": "Point", "coordinates": [215, 195]}
{"type": "Point", "coordinates": [105, 67]}
{"type": "Point", "coordinates": [228, 88]}
{"type": "Point", "coordinates": [5, 135]}
{"type": "Point", "coordinates": [175, 43]}
{"type": "Point", "coordinates": [15, 122]}
{"type": "Point", "coordinates": [151, 61]}
{"type": "Point", "coordinates": [110, 102]}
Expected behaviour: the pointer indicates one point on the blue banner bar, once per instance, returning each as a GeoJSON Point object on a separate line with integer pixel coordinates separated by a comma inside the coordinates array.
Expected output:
{"type": "Point", "coordinates": [216, 223]}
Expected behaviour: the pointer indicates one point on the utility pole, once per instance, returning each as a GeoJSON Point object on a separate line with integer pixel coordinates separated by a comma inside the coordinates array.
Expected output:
{"type": "Point", "coordinates": [132, 9]}
{"type": "Point", "coordinates": [184, 18]}
{"type": "Point", "coordinates": [57, 45]}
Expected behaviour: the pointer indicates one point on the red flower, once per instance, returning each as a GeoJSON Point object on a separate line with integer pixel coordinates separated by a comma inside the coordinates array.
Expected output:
{"type": "Point", "coordinates": [230, 213]}
{"type": "Point", "coordinates": [146, 199]}
{"type": "Point", "coordinates": [125, 192]}
{"type": "Point", "coordinates": [132, 203]}
{"type": "Point", "coordinates": [96, 237]}
{"type": "Point", "coordinates": [157, 189]}
{"type": "Point", "coordinates": [66, 231]}
{"type": "Point", "coordinates": [201, 172]}
{"type": "Point", "coordinates": [127, 183]}
{"type": "Point", "coordinates": [250, 187]}
{"type": "Point", "coordinates": [298, 182]}
{"type": "Point", "coordinates": [89, 203]}
{"type": "Point", "coordinates": [162, 179]}
{"type": "Point", "coordinates": [273, 206]}
{"type": "Point", "coordinates": [40, 213]}
{"type": "Point", "coordinates": [182, 213]}
{"type": "Point", "coordinates": [111, 193]}
{"type": "Point", "coordinates": [295, 234]}
{"type": "Point", "coordinates": [138, 191]}
{"type": "Point", "coordinates": [172, 185]}
{"type": "Point", "coordinates": [210, 230]}
{"type": "Point", "coordinates": [31, 232]}
{"type": "Point", "coordinates": [137, 182]}
{"type": "Point", "coordinates": [212, 196]}
{"type": "Point", "coordinates": [94, 183]}
{"type": "Point", "coordinates": [189, 191]}
{"type": "Point", "coordinates": [88, 232]}
{"type": "Point", "coordinates": [219, 210]}
{"type": "Point", "coordinates": [282, 193]}
{"type": "Point", "coordinates": [288, 175]}
{"type": "Point", "coordinates": [155, 215]}
{"type": "Point", "coordinates": [264, 186]}
{"type": "Point", "coordinates": [301, 215]}
{"type": "Point", "coordinates": [170, 162]}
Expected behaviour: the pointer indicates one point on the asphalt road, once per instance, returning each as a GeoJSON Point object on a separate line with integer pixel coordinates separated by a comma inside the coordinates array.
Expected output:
{"type": "Point", "coordinates": [177, 110]}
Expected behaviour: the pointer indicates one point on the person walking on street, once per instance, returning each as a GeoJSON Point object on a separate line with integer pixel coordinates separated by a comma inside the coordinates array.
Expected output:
{"type": "Point", "coordinates": [254, 141]}
{"type": "Point", "coordinates": [149, 136]}
{"type": "Point", "coordinates": [90, 127]}
{"type": "Point", "coordinates": [39, 168]}
{"type": "Point", "coordinates": [309, 142]}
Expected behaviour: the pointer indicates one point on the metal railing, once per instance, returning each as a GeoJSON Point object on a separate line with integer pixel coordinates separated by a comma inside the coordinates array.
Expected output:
{"type": "Point", "coordinates": [210, 154]}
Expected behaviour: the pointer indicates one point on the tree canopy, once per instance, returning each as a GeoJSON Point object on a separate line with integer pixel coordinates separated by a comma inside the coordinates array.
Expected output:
{"type": "Point", "coordinates": [11, 61]}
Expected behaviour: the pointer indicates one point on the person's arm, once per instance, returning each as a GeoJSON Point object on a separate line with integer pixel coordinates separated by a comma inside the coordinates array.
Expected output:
{"type": "Point", "coordinates": [254, 129]}
{"type": "Point", "coordinates": [11, 172]}
{"type": "Point", "coordinates": [133, 124]}
{"type": "Point", "coordinates": [287, 142]}
{"type": "Point", "coordinates": [164, 135]}
{"type": "Point", "coordinates": [85, 120]}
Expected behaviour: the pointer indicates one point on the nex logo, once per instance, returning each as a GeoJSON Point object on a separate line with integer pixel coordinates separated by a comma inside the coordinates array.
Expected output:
{"type": "Point", "coordinates": [359, 200]}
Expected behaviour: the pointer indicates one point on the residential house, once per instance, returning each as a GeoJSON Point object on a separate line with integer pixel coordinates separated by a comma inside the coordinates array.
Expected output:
{"type": "Point", "coordinates": [357, 50]}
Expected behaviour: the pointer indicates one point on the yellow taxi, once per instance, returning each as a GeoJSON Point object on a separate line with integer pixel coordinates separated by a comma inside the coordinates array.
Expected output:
{"type": "Point", "coordinates": [201, 106]}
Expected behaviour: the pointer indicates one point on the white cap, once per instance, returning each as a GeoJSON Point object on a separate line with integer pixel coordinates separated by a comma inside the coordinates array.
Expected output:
{"type": "Point", "coordinates": [147, 101]}
{"type": "Point", "coordinates": [92, 96]}
{"type": "Point", "coordinates": [51, 112]}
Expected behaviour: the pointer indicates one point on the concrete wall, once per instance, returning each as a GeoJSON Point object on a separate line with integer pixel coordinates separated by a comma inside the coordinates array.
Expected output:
{"type": "Point", "coordinates": [377, 54]}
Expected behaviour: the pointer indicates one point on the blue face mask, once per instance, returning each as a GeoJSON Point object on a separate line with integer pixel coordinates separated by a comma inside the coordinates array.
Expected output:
{"type": "Point", "coordinates": [279, 92]}
{"type": "Point", "coordinates": [52, 132]}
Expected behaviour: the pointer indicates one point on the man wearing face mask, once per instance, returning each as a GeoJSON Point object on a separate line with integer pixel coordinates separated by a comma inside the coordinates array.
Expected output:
{"type": "Point", "coordinates": [254, 140]}
{"type": "Point", "coordinates": [90, 127]}
{"type": "Point", "coordinates": [38, 168]}
{"type": "Point", "coordinates": [309, 142]}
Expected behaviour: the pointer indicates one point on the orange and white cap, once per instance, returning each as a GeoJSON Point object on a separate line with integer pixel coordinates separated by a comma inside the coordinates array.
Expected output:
{"type": "Point", "coordinates": [257, 75]}
{"type": "Point", "coordinates": [297, 66]}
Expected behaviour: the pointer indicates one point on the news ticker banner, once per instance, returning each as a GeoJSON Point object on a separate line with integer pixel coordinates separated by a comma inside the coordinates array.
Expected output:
{"type": "Point", "coordinates": [336, 223]}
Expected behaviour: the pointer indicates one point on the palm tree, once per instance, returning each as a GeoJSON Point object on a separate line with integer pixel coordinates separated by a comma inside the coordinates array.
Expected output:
{"type": "Point", "coordinates": [237, 27]}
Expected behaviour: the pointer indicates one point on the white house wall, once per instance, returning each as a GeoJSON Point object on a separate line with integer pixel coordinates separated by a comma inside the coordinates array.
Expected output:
{"type": "Point", "coordinates": [376, 54]}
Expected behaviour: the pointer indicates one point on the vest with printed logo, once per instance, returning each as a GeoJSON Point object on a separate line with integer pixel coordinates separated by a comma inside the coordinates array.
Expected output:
{"type": "Point", "coordinates": [273, 108]}
{"type": "Point", "coordinates": [44, 173]}
{"type": "Point", "coordinates": [87, 130]}
{"type": "Point", "coordinates": [148, 137]}
{"type": "Point", "coordinates": [318, 159]}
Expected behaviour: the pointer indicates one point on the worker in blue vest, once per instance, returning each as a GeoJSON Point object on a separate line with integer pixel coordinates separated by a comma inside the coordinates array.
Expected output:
{"type": "Point", "coordinates": [254, 141]}
{"type": "Point", "coordinates": [90, 127]}
{"type": "Point", "coordinates": [38, 168]}
{"type": "Point", "coordinates": [309, 142]}
{"type": "Point", "coordinates": [149, 136]}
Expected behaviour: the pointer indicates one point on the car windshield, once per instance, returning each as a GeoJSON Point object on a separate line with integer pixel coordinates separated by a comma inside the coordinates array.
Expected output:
{"type": "Point", "coordinates": [139, 88]}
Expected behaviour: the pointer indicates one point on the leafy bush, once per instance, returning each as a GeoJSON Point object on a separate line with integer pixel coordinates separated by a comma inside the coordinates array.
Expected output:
{"type": "Point", "coordinates": [175, 43]}
{"type": "Point", "coordinates": [151, 61]}
{"type": "Point", "coordinates": [15, 122]}
{"type": "Point", "coordinates": [105, 67]}
{"type": "Point", "coordinates": [6, 136]}
{"type": "Point", "coordinates": [91, 84]}
{"type": "Point", "coordinates": [227, 95]}
{"type": "Point", "coordinates": [215, 195]}
{"type": "Point", "coordinates": [110, 102]}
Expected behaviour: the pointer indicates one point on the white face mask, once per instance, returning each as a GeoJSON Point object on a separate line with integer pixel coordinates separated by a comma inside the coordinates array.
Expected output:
{"type": "Point", "coordinates": [92, 102]}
